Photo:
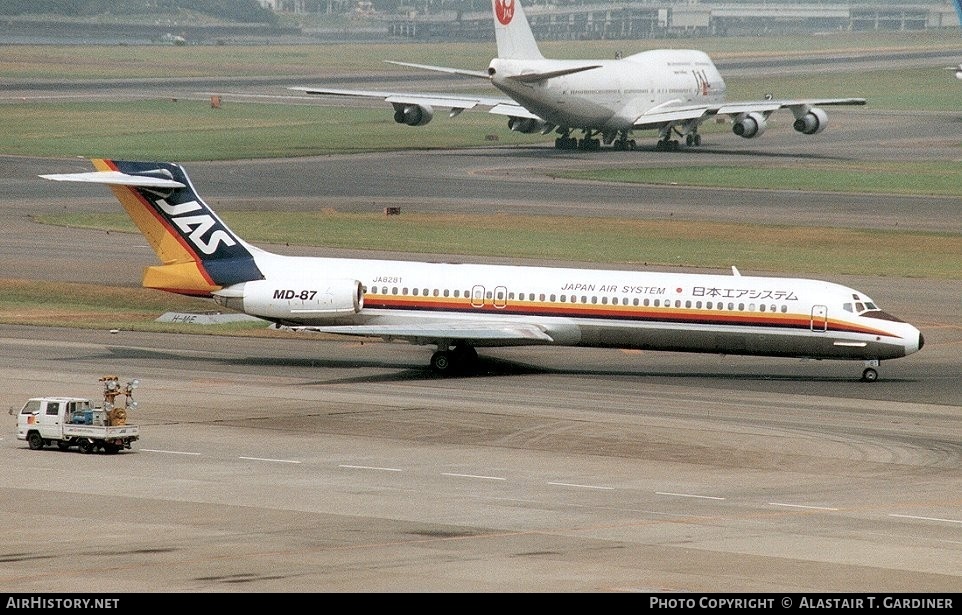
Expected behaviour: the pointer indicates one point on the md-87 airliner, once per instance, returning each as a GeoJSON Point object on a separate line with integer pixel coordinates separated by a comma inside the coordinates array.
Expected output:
{"type": "Point", "coordinates": [672, 91]}
{"type": "Point", "coordinates": [460, 307]}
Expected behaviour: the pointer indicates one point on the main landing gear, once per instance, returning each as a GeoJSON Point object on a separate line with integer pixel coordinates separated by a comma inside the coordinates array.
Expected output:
{"type": "Point", "coordinates": [667, 144]}
{"type": "Point", "coordinates": [462, 358]}
{"type": "Point", "coordinates": [623, 142]}
{"type": "Point", "coordinates": [588, 143]}
{"type": "Point", "coordinates": [870, 373]}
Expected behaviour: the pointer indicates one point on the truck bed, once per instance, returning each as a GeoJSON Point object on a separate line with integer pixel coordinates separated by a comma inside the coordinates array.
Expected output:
{"type": "Point", "coordinates": [101, 432]}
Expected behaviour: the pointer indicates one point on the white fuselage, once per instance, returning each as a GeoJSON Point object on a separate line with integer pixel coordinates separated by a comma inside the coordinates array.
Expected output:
{"type": "Point", "coordinates": [727, 314]}
{"type": "Point", "coordinates": [614, 95]}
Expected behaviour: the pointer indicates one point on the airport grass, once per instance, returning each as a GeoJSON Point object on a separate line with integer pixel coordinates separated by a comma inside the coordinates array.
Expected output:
{"type": "Point", "coordinates": [187, 130]}
{"type": "Point", "coordinates": [752, 248]}
{"type": "Point", "coordinates": [878, 177]}
{"type": "Point", "coordinates": [99, 62]}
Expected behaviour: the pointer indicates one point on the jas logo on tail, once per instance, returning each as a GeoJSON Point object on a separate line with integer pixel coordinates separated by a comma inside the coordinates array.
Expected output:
{"type": "Point", "coordinates": [504, 9]}
{"type": "Point", "coordinates": [196, 227]}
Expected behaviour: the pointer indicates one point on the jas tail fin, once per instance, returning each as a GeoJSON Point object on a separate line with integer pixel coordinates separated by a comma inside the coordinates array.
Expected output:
{"type": "Point", "coordinates": [513, 33]}
{"type": "Point", "coordinates": [198, 252]}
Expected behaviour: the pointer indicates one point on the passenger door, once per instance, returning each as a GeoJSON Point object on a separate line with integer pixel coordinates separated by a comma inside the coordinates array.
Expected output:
{"type": "Point", "coordinates": [819, 322]}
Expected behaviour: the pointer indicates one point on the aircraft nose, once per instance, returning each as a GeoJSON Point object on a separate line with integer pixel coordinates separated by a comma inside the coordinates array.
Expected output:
{"type": "Point", "coordinates": [911, 348]}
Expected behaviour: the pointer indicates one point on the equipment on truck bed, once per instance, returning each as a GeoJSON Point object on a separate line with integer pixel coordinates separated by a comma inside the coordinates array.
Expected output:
{"type": "Point", "coordinates": [73, 421]}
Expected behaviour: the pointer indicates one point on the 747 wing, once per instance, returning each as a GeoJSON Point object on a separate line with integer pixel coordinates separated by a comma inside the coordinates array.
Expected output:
{"type": "Point", "coordinates": [418, 109]}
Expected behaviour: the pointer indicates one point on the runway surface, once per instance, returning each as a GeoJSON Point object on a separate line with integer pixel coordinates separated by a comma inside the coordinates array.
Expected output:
{"type": "Point", "coordinates": [305, 465]}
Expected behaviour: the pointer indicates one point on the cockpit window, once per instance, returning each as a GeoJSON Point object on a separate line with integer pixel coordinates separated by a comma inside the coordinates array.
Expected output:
{"type": "Point", "coordinates": [859, 307]}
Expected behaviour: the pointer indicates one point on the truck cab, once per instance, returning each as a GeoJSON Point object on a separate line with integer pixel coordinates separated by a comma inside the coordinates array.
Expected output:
{"type": "Point", "coordinates": [74, 421]}
{"type": "Point", "coordinates": [46, 416]}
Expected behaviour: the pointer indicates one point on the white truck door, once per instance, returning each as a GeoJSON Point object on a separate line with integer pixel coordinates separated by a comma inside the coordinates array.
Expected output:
{"type": "Point", "coordinates": [50, 418]}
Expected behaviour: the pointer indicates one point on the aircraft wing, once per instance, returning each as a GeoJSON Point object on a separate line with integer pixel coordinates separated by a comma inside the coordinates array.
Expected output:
{"type": "Point", "coordinates": [445, 101]}
{"type": "Point", "coordinates": [767, 106]}
{"type": "Point", "coordinates": [662, 115]}
{"type": "Point", "coordinates": [480, 332]}
{"type": "Point", "coordinates": [672, 114]}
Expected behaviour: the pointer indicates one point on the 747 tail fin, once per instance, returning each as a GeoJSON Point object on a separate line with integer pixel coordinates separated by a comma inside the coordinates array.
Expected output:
{"type": "Point", "coordinates": [200, 254]}
{"type": "Point", "coordinates": [513, 33]}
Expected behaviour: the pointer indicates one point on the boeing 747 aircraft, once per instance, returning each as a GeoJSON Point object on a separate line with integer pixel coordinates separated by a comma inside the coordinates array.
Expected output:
{"type": "Point", "coordinates": [460, 307]}
{"type": "Point", "coordinates": [672, 91]}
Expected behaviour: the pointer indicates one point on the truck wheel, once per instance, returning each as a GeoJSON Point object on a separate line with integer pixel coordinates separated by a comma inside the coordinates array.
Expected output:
{"type": "Point", "coordinates": [110, 449]}
{"type": "Point", "coordinates": [35, 441]}
{"type": "Point", "coordinates": [86, 446]}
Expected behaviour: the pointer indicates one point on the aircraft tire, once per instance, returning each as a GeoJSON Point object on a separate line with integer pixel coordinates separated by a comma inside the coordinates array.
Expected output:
{"type": "Point", "coordinates": [441, 362]}
{"type": "Point", "coordinates": [869, 375]}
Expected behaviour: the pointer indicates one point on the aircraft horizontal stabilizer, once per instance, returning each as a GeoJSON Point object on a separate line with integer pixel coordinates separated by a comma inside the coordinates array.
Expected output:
{"type": "Point", "coordinates": [115, 178]}
{"type": "Point", "coordinates": [443, 69]}
{"type": "Point", "coordinates": [535, 77]}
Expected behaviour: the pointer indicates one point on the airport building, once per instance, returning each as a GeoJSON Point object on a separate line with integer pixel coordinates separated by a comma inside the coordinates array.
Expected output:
{"type": "Point", "coordinates": [639, 20]}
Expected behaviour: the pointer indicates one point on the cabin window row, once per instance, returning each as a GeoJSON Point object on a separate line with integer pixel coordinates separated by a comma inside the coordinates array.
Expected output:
{"type": "Point", "coordinates": [731, 306]}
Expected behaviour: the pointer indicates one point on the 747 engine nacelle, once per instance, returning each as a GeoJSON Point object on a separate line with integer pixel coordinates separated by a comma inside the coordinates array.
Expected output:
{"type": "Point", "coordinates": [812, 122]}
{"type": "Point", "coordinates": [294, 299]}
{"type": "Point", "coordinates": [412, 115]}
{"type": "Point", "coordinates": [749, 125]}
{"type": "Point", "coordinates": [526, 125]}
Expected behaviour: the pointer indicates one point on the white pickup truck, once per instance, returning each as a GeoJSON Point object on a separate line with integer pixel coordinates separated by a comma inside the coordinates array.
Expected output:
{"type": "Point", "coordinates": [74, 421]}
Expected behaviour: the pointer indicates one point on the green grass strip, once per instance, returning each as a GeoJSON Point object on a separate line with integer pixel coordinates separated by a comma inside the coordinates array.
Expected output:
{"type": "Point", "coordinates": [753, 248]}
{"type": "Point", "coordinates": [910, 178]}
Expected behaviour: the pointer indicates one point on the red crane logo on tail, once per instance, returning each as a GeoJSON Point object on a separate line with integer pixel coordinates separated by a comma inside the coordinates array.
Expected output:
{"type": "Point", "coordinates": [504, 11]}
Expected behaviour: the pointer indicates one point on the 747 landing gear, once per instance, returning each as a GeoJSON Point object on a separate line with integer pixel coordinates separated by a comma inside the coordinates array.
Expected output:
{"type": "Point", "coordinates": [666, 145]}
{"type": "Point", "coordinates": [566, 142]}
{"type": "Point", "coordinates": [624, 142]}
